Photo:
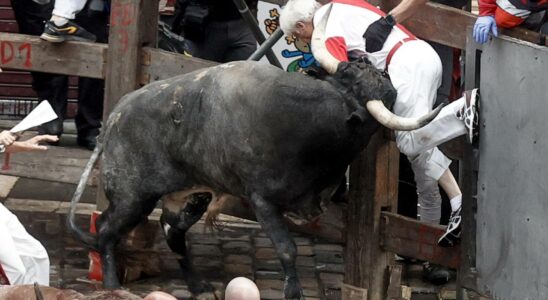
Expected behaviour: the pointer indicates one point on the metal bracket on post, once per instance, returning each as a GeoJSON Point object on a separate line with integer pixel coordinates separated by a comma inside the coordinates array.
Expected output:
{"type": "Point", "coordinates": [254, 26]}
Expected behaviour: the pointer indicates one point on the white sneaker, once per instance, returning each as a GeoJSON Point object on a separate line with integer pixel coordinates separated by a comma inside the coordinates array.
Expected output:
{"type": "Point", "coordinates": [469, 114]}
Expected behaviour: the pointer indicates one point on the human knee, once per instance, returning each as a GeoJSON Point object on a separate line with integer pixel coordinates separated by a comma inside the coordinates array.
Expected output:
{"type": "Point", "coordinates": [404, 141]}
{"type": "Point", "coordinates": [241, 288]}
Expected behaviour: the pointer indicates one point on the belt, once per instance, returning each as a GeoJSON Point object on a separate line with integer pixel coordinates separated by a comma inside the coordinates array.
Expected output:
{"type": "Point", "coordinates": [394, 49]}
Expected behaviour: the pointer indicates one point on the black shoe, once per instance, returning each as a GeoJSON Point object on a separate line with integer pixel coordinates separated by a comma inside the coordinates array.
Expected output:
{"type": "Point", "coordinates": [437, 274]}
{"type": "Point", "coordinates": [68, 32]}
{"type": "Point", "coordinates": [89, 142]}
{"type": "Point", "coordinates": [451, 237]}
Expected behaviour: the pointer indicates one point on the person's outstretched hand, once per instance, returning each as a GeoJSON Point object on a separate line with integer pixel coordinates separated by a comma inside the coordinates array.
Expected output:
{"type": "Point", "coordinates": [6, 138]}
{"type": "Point", "coordinates": [32, 144]}
{"type": "Point", "coordinates": [483, 26]}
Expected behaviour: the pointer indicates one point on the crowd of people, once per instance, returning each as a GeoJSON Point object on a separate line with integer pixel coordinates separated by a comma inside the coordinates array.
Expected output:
{"type": "Point", "coordinates": [421, 73]}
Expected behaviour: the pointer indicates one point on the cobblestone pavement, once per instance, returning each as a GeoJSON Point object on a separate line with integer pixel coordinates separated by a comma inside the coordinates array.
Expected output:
{"type": "Point", "coordinates": [241, 248]}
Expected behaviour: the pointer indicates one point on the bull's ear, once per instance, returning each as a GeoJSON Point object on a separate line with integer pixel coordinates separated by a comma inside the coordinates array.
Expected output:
{"type": "Point", "coordinates": [356, 117]}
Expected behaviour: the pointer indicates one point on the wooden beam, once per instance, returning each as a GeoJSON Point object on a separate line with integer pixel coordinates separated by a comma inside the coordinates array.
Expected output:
{"type": "Point", "coordinates": [127, 18]}
{"type": "Point", "coordinates": [158, 64]}
{"type": "Point", "coordinates": [412, 238]}
{"type": "Point", "coordinates": [448, 26]}
{"type": "Point", "coordinates": [58, 164]}
{"type": "Point", "coordinates": [373, 188]}
{"type": "Point", "coordinates": [25, 52]}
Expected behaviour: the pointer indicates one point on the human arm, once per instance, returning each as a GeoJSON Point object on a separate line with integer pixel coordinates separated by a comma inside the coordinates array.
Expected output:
{"type": "Point", "coordinates": [32, 144]}
{"type": "Point", "coordinates": [406, 9]}
{"type": "Point", "coordinates": [377, 33]}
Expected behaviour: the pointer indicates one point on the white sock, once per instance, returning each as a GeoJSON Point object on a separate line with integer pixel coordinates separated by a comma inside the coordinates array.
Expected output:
{"type": "Point", "coordinates": [456, 203]}
{"type": "Point", "coordinates": [58, 21]}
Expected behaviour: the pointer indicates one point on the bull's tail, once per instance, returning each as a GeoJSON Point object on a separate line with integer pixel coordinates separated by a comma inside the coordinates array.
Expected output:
{"type": "Point", "coordinates": [85, 237]}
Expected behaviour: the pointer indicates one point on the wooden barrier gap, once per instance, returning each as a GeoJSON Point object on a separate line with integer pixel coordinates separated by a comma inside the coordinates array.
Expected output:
{"type": "Point", "coordinates": [412, 238]}
{"type": "Point", "coordinates": [448, 26]}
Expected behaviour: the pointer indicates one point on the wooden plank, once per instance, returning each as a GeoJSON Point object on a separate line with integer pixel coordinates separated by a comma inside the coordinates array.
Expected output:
{"type": "Point", "coordinates": [122, 75]}
{"type": "Point", "coordinates": [25, 52]}
{"type": "Point", "coordinates": [412, 238]}
{"type": "Point", "coordinates": [448, 26]}
{"type": "Point", "coordinates": [58, 164]}
{"type": "Point", "coordinates": [159, 64]}
{"type": "Point", "coordinates": [373, 188]}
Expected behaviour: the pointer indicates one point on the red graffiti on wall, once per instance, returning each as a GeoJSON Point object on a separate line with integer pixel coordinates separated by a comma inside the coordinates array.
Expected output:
{"type": "Point", "coordinates": [10, 51]}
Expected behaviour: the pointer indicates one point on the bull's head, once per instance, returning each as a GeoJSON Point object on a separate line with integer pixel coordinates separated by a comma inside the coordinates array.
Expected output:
{"type": "Point", "coordinates": [370, 77]}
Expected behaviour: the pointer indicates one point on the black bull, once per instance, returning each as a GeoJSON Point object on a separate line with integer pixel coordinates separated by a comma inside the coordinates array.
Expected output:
{"type": "Point", "coordinates": [280, 140]}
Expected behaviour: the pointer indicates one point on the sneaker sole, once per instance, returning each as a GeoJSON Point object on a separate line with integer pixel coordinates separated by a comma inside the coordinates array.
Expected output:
{"type": "Point", "coordinates": [52, 38]}
{"type": "Point", "coordinates": [473, 103]}
{"type": "Point", "coordinates": [58, 39]}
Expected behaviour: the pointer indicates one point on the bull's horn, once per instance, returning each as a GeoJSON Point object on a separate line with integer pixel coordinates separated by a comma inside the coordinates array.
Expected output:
{"type": "Point", "coordinates": [382, 114]}
{"type": "Point", "coordinates": [322, 55]}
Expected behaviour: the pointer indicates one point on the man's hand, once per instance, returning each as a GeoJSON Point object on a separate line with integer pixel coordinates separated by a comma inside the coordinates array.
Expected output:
{"type": "Point", "coordinates": [6, 138]}
{"type": "Point", "coordinates": [376, 34]}
{"type": "Point", "coordinates": [32, 144]}
{"type": "Point", "coordinates": [483, 26]}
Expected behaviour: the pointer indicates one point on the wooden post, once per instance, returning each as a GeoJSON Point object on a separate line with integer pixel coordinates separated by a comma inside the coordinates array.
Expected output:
{"type": "Point", "coordinates": [373, 188]}
{"type": "Point", "coordinates": [133, 25]}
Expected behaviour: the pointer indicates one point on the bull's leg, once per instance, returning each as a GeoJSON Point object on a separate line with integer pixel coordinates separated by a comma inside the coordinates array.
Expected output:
{"type": "Point", "coordinates": [272, 223]}
{"type": "Point", "coordinates": [115, 222]}
{"type": "Point", "coordinates": [175, 225]}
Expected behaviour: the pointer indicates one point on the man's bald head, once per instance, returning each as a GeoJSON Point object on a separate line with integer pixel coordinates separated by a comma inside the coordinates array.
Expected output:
{"type": "Point", "coordinates": [241, 288]}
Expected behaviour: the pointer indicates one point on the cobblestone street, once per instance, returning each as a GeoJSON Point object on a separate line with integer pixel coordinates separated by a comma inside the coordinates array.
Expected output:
{"type": "Point", "coordinates": [240, 249]}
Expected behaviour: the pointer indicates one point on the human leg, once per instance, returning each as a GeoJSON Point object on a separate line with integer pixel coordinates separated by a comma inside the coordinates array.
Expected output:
{"type": "Point", "coordinates": [68, 9]}
{"type": "Point", "coordinates": [214, 43]}
{"type": "Point", "coordinates": [242, 43]}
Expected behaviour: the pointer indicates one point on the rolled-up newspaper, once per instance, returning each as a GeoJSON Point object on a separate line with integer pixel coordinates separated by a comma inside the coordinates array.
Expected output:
{"type": "Point", "coordinates": [39, 115]}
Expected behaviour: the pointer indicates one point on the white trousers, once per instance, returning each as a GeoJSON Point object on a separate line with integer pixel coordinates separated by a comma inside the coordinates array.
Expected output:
{"type": "Point", "coordinates": [68, 8]}
{"type": "Point", "coordinates": [415, 72]}
{"type": "Point", "coordinates": [22, 257]}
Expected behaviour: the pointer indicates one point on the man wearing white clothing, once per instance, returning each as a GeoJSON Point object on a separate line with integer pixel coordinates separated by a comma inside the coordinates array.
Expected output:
{"type": "Point", "coordinates": [23, 259]}
{"type": "Point", "coordinates": [357, 30]}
